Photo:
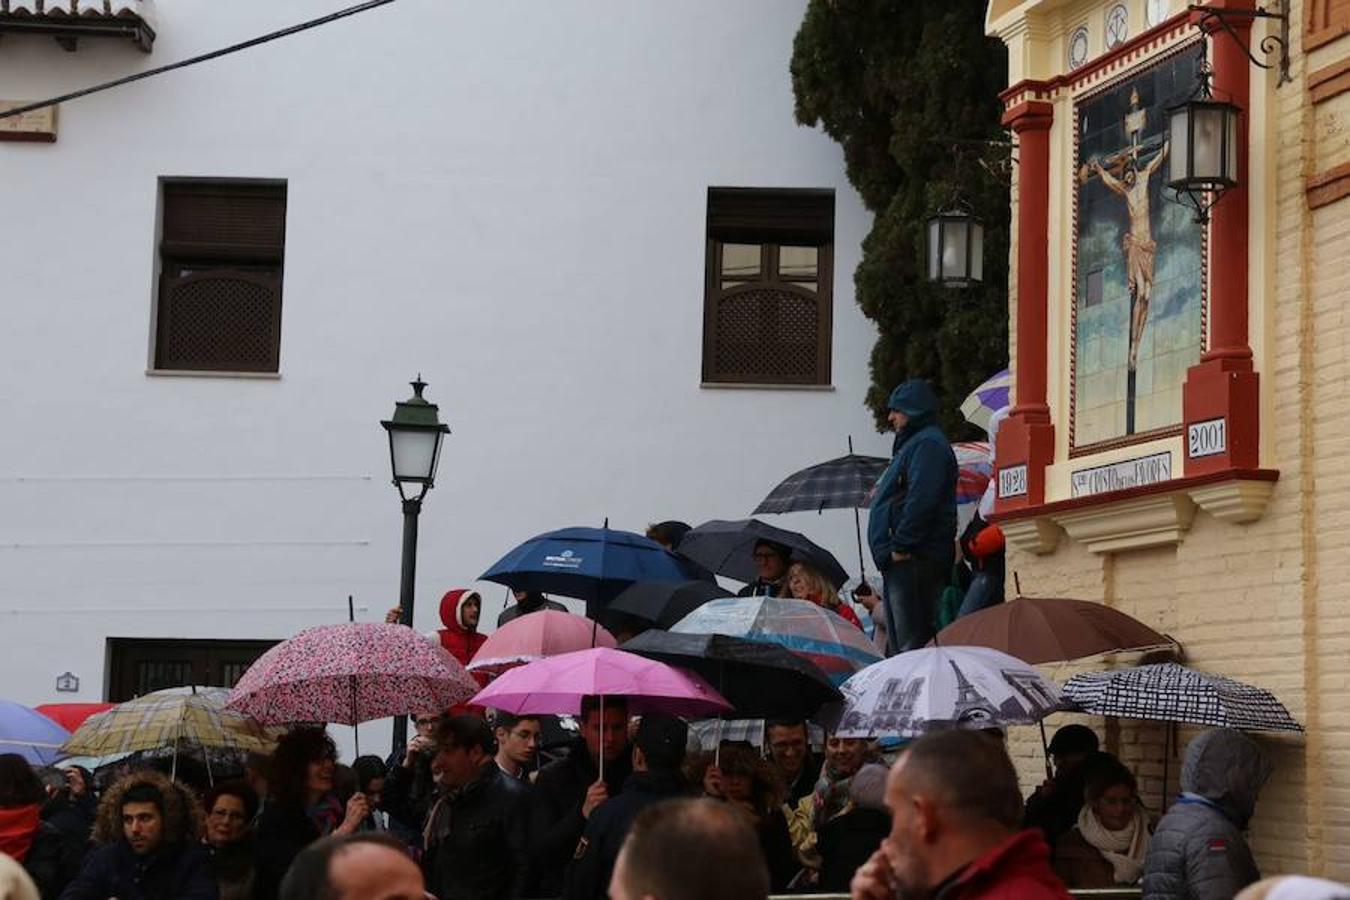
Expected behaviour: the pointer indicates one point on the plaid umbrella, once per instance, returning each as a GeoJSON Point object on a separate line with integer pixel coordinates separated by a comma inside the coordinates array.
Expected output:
{"type": "Point", "coordinates": [842, 483]}
{"type": "Point", "coordinates": [987, 399]}
{"type": "Point", "coordinates": [1168, 692]}
{"type": "Point", "coordinates": [190, 716]}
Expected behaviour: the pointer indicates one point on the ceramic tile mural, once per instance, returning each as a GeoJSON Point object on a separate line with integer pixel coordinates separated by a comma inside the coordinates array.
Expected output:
{"type": "Point", "coordinates": [1138, 273]}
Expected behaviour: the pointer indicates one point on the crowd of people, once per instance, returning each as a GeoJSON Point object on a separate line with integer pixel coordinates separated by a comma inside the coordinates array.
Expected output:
{"type": "Point", "coordinates": [472, 810]}
{"type": "Point", "coordinates": [484, 804]}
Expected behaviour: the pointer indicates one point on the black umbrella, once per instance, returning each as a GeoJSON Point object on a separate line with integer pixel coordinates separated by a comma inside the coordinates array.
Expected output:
{"type": "Point", "coordinates": [663, 603]}
{"type": "Point", "coordinates": [762, 681]}
{"type": "Point", "coordinates": [727, 548]}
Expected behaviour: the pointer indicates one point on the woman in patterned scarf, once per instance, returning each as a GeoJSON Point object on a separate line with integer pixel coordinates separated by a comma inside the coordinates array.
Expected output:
{"type": "Point", "coordinates": [301, 807]}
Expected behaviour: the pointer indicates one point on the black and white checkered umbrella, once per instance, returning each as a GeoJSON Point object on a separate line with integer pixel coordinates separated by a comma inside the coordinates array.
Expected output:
{"type": "Point", "coordinates": [842, 483]}
{"type": "Point", "coordinates": [1168, 692]}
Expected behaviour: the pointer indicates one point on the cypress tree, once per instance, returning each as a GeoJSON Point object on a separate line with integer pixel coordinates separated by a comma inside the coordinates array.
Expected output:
{"type": "Point", "coordinates": [909, 89]}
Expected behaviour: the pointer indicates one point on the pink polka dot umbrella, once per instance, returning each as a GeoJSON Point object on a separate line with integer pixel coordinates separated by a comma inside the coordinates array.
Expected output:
{"type": "Point", "coordinates": [351, 673]}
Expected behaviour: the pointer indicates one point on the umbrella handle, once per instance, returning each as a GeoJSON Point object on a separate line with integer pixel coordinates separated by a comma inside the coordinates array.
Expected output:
{"type": "Point", "coordinates": [1045, 747]}
{"type": "Point", "coordinates": [602, 737]}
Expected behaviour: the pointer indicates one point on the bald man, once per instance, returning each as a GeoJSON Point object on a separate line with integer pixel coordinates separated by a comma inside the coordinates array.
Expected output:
{"type": "Point", "coordinates": [362, 866]}
{"type": "Point", "coordinates": [955, 817]}
{"type": "Point", "coordinates": [690, 850]}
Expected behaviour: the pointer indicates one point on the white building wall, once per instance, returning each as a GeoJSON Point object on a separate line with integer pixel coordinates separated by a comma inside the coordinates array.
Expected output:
{"type": "Point", "coordinates": [508, 197]}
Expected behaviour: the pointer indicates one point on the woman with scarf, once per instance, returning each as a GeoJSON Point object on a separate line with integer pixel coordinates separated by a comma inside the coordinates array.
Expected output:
{"type": "Point", "coordinates": [745, 779]}
{"type": "Point", "coordinates": [1107, 847]}
{"type": "Point", "coordinates": [302, 806]}
{"type": "Point", "coordinates": [831, 799]}
{"type": "Point", "coordinates": [34, 844]}
{"type": "Point", "coordinates": [805, 583]}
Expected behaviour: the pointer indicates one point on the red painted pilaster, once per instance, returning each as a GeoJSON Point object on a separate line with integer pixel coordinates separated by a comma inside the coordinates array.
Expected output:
{"type": "Point", "coordinates": [1224, 387]}
{"type": "Point", "coordinates": [1026, 441]}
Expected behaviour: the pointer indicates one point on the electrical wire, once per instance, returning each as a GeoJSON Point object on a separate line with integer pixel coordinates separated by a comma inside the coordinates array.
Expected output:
{"type": "Point", "coordinates": [214, 54]}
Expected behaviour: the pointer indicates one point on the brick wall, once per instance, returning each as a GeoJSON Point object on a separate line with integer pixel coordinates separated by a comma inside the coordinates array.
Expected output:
{"type": "Point", "coordinates": [1267, 602]}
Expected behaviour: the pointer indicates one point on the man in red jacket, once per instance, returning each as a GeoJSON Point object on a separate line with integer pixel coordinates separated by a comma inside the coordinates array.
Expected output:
{"type": "Point", "coordinates": [955, 813]}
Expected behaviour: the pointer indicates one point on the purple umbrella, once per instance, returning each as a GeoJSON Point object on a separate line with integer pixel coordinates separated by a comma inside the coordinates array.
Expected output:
{"type": "Point", "coordinates": [30, 734]}
{"type": "Point", "coordinates": [987, 399]}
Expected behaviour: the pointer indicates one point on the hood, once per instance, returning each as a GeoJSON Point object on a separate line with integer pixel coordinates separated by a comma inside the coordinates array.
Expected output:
{"type": "Point", "coordinates": [914, 398]}
{"type": "Point", "coordinates": [1227, 769]}
{"type": "Point", "coordinates": [868, 788]}
{"type": "Point", "coordinates": [452, 608]}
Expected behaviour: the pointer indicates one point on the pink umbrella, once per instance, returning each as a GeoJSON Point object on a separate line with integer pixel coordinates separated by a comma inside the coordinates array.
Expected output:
{"type": "Point", "coordinates": [536, 636]}
{"type": "Point", "coordinates": [350, 673]}
{"type": "Point", "coordinates": [556, 685]}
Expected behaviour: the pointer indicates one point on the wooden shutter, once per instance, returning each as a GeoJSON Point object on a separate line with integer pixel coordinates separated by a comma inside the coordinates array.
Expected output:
{"type": "Point", "coordinates": [222, 249]}
{"type": "Point", "coordinates": [770, 330]}
{"type": "Point", "coordinates": [1327, 20]}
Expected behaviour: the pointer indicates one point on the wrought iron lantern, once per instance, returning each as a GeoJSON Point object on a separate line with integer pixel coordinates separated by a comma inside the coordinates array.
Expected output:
{"type": "Point", "coordinates": [955, 249]}
{"type": "Point", "coordinates": [415, 435]}
{"type": "Point", "coordinates": [1203, 134]}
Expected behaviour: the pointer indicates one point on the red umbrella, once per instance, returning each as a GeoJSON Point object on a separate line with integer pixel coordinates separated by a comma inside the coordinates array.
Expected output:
{"type": "Point", "coordinates": [71, 716]}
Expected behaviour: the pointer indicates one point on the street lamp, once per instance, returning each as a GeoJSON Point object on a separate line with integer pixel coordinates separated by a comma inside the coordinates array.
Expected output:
{"type": "Point", "coordinates": [1203, 133]}
{"type": "Point", "coordinates": [955, 249]}
{"type": "Point", "coordinates": [415, 435]}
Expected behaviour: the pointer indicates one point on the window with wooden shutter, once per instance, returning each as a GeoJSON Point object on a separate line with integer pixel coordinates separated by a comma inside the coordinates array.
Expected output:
{"type": "Point", "coordinates": [222, 248]}
{"type": "Point", "coordinates": [767, 312]}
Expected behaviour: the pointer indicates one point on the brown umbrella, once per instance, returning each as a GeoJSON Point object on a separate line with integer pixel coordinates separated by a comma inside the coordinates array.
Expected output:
{"type": "Point", "coordinates": [1045, 630]}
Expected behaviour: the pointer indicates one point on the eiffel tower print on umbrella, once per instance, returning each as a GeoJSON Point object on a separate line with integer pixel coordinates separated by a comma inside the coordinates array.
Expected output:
{"type": "Point", "coordinates": [966, 687]}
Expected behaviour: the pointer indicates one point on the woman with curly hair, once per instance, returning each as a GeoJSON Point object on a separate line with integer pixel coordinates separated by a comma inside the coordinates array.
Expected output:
{"type": "Point", "coordinates": [36, 845]}
{"type": "Point", "coordinates": [742, 777]}
{"type": "Point", "coordinates": [149, 831]}
{"type": "Point", "coordinates": [805, 583]}
{"type": "Point", "coordinates": [301, 807]}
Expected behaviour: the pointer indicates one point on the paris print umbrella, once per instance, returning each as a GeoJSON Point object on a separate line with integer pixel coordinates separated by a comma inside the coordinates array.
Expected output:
{"type": "Point", "coordinates": [965, 687]}
{"type": "Point", "coordinates": [191, 716]}
{"type": "Point", "coordinates": [351, 673]}
{"type": "Point", "coordinates": [987, 399]}
{"type": "Point", "coordinates": [30, 734]}
{"type": "Point", "coordinates": [535, 636]}
{"type": "Point", "coordinates": [818, 634]}
{"type": "Point", "coordinates": [1168, 692]}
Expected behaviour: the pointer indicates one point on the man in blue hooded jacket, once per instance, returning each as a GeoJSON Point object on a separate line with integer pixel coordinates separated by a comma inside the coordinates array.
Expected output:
{"type": "Point", "coordinates": [911, 526]}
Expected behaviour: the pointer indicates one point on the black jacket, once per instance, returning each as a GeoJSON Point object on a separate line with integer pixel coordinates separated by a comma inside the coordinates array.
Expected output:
{"type": "Point", "coordinates": [805, 784]}
{"type": "Point", "coordinates": [408, 794]}
{"type": "Point", "coordinates": [846, 842]}
{"type": "Point", "coordinates": [593, 859]}
{"type": "Point", "coordinates": [176, 872]}
{"type": "Point", "coordinates": [232, 868]}
{"type": "Point", "coordinates": [484, 853]}
{"type": "Point", "coordinates": [52, 859]}
{"type": "Point", "coordinates": [556, 820]}
{"type": "Point", "coordinates": [281, 833]}
{"type": "Point", "coordinates": [1055, 811]}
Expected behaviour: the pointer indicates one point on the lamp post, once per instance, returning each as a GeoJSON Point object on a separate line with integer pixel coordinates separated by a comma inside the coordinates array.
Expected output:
{"type": "Point", "coordinates": [955, 249]}
{"type": "Point", "coordinates": [1203, 133]}
{"type": "Point", "coordinates": [415, 435]}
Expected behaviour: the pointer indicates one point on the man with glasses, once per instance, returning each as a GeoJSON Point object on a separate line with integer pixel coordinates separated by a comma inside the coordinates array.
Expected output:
{"type": "Point", "coordinates": [517, 743]}
{"type": "Point", "coordinates": [790, 752]}
{"type": "Point", "coordinates": [771, 564]}
{"type": "Point", "coordinates": [409, 787]}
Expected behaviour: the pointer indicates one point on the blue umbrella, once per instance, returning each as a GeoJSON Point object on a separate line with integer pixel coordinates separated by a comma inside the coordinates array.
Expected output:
{"type": "Point", "coordinates": [591, 564]}
{"type": "Point", "coordinates": [30, 734]}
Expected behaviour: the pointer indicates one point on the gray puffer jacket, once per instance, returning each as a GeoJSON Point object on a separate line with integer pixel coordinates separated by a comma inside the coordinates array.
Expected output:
{"type": "Point", "coordinates": [1198, 851]}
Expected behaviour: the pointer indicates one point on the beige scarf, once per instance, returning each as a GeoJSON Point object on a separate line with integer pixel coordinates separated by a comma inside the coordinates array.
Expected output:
{"type": "Point", "coordinates": [1124, 850]}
